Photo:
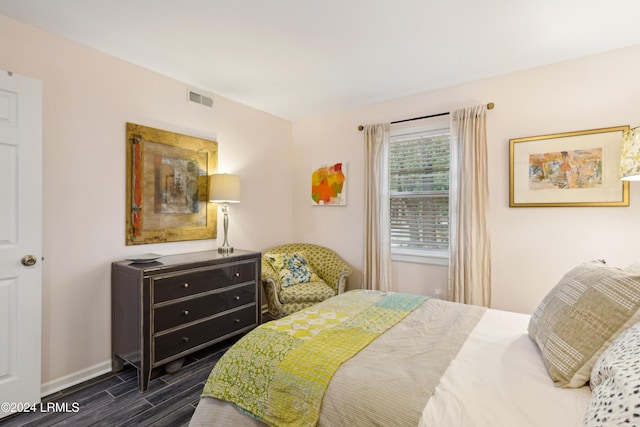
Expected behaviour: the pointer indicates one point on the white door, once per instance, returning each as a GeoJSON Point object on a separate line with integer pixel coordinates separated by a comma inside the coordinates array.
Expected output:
{"type": "Point", "coordinates": [20, 241]}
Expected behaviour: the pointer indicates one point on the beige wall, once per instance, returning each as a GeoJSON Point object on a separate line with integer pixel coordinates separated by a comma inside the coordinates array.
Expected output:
{"type": "Point", "coordinates": [88, 98]}
{"type": "Point", "coordinates": [531, 247]}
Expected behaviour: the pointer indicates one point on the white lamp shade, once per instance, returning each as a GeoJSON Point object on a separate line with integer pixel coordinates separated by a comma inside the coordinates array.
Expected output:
{"type": "Point", "coordinates": [224, 188]}
{"type": "Point", "coordinates": [630, 155]}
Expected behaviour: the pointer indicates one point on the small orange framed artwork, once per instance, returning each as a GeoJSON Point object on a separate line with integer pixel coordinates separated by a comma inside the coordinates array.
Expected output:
{"type": "Point", "coordinates": [329, 185]}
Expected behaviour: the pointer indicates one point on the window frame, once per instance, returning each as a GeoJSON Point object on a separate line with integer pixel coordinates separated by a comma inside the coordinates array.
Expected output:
{"type": "Point", "coordinates": [420, 256]}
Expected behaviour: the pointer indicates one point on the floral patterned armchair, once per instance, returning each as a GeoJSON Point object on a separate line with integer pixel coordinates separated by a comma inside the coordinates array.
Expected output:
{"type": "Point", "coordinates": [330, 278]}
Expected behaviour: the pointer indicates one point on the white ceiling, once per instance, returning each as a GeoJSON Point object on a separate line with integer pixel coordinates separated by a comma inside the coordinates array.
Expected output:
{"type": "Point", "coordinates": [301, 58]}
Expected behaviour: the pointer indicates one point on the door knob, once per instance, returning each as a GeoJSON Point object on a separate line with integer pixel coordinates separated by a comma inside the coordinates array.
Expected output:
{"type": "Point", "coordinates": [29, 260]}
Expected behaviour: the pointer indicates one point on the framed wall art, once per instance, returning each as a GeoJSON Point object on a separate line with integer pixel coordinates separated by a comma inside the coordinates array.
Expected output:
{"type": "Point", "coordinates": [167, 186]}
{"type": "Point", "coordinates": [568, 169]}
{"type": "Point", "coordinates": [329, 185]}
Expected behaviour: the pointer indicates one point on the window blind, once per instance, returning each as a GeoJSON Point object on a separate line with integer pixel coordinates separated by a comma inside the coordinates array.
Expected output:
{"type": "Point", "coordinates": [419, 190]}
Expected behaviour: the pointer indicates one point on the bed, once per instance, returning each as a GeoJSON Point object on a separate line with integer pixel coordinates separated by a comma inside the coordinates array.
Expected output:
{"type": "Point", "coordinates": [428, 362]}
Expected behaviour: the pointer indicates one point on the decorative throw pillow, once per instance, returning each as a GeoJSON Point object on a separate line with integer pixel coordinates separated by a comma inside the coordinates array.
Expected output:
{"type": "Point", "coordinates": [615, 382]}
{"type": "Point", "coordinates": [292, 268]}
{"type": "Point", "coordinates": [578, 319]}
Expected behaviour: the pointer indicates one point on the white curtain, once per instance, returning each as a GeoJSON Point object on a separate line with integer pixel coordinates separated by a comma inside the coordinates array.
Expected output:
{"type": "Point", "coordinates": [377, 246]}
{"type": "Point", "coordinates": [469, 245]}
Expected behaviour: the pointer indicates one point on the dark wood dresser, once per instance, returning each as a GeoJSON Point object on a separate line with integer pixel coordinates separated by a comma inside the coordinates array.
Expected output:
{"type": "Point", "coordinates": [179, 304]}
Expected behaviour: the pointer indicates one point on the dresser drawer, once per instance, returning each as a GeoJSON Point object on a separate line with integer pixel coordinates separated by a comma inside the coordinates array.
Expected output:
{"type": "Point", "coordinates": [195, 308]}
{"type": "Point", "coordinates": [172, 343]}
{"type": "Point", "coordinates": [167, 288]}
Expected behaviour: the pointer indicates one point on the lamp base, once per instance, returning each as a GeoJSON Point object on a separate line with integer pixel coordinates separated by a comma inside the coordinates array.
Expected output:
{"type": "Point", "coordinates": [225, 250]}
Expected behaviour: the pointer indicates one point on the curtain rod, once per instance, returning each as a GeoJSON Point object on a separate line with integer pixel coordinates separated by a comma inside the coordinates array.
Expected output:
{"type": "Point", "coordinates": [489, 107]}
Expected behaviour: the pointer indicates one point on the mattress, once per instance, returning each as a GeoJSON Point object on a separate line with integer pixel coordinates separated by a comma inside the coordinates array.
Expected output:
{"type": "Point", "coordinates": [499, 379]}
{"type": "Point", "coordinates": [444, 364]}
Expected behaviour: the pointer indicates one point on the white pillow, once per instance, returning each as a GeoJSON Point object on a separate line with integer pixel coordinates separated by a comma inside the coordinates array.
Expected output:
{"type": "Point", "coordinates": [615, 383]}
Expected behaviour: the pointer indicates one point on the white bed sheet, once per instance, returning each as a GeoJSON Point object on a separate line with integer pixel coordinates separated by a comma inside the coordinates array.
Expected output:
{"type": "Point", "coordinates": [499, 379]}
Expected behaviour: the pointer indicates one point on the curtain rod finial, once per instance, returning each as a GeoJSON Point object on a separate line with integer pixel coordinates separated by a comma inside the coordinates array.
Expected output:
{"type": "Point", "coordinates": [360, 128]}
{"type": "Point", "coordinates": [490, 106]}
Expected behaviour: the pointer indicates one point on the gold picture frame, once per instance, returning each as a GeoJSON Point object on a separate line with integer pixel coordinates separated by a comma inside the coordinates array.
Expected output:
{"type": "Point", "coordinates": [568, 169]}
{"type": "Point", "coordinates": [167, 186]}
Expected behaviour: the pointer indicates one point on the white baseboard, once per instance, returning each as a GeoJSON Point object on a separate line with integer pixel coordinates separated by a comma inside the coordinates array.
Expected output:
{"type": "Point", "coordinates": [75, 378]}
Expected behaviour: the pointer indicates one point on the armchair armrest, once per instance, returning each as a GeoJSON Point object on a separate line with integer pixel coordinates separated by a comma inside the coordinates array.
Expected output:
{"type": "Point", "coordinates": [334, 271]}
{"type": "Point", "coordinates": [271, 284]}
{"type": "Point", "coordinates": [268, 273]}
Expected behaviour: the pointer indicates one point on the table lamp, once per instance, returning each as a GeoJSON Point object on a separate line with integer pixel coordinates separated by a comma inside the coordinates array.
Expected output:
{"type": "Point", "coordinates": [630, 155]}
{"type": "Point", "coordinates": [224, 188]}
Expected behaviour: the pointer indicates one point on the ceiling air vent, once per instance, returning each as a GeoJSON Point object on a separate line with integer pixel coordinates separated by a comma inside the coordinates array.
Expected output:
{"type": "Point", "coordinates": [199, 97]}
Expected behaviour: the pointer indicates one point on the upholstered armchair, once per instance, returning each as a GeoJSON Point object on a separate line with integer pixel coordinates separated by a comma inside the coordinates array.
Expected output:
{"type": "Point", "coordinates": [330, 278]}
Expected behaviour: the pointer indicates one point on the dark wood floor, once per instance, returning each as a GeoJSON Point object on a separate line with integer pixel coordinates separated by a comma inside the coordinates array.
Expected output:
{"type": "Point", "coordinates": [114, 400]}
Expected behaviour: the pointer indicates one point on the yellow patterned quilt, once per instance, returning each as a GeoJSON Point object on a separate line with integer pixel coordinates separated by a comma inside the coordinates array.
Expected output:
{"type": "Point", "coordinates": [279, 372]}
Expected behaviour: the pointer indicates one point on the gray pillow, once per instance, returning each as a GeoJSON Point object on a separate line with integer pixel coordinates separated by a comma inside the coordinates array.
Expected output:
{"type": "Point", "coordinates": [580, 317]}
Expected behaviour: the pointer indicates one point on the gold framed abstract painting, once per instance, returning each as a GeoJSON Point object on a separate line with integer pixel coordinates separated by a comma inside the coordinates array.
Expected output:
{"type": "Point", "coordinates": [568, 169]}
{"type": "Point", "coordinates": [167, 179]}
{"type": "Point", "coordinates": [329, 185]}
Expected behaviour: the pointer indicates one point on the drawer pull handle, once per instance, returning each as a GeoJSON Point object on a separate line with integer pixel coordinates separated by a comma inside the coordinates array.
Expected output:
{"type": "Point", "coordinates": [236, 320]}
{"type": "Point", "coordinates": [185, 339]}
{"type": "Point", "coordinates": [185, 312]}
{"type": "Point", "coordinates": [186, 285]}
{"type": "Point", "coordinates": [237, 298]}
{"type": "Point", "coordinates": [237, 274]}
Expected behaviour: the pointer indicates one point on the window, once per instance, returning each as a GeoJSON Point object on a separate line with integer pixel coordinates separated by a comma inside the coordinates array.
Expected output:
{"type": "Point", "coordinates": [419, 163]}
